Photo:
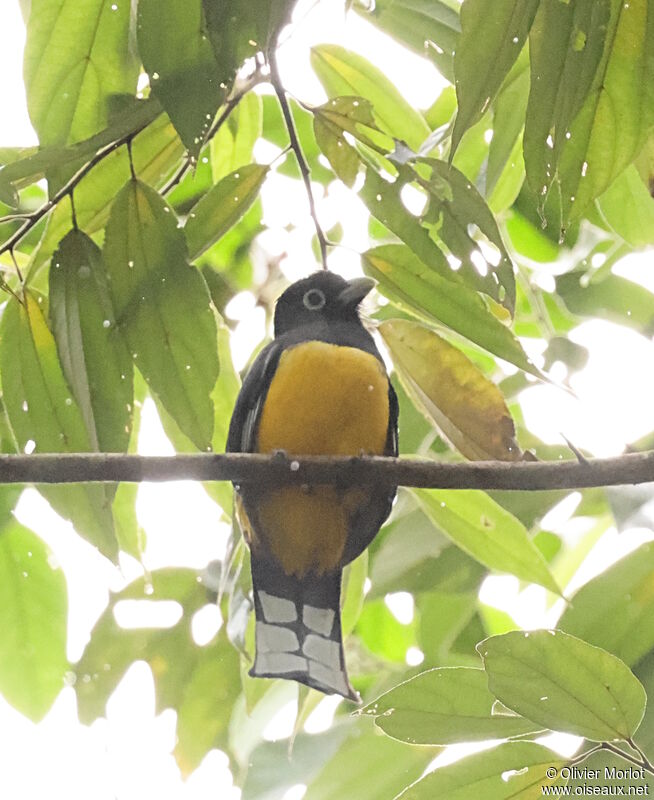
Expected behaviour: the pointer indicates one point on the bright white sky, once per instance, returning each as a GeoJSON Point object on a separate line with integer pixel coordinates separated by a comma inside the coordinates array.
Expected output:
{"type": "Point", "coordinates": [129, 754]}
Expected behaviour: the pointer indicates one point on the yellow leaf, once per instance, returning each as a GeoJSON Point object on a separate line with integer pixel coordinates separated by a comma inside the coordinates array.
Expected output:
{"type": "Point", "coordinates": [467, 408]}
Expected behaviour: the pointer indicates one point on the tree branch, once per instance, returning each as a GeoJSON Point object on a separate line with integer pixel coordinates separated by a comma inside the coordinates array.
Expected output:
{"type": "Point", "coordinates": [36, 216]}
{"type": "Point", "coordinates": [276, 83]}
{"type": "Point", "coordinates": [278, 469]}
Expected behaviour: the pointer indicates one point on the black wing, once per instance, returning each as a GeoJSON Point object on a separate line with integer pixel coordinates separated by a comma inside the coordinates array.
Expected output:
{"type": "Point", "coordinates": [247, 411]}
{"type": "Point", "coordinates": [392, 445]}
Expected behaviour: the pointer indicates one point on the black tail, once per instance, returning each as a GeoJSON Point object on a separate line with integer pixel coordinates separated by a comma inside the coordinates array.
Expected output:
{"type": "Point", "coordinates": [298, 629]}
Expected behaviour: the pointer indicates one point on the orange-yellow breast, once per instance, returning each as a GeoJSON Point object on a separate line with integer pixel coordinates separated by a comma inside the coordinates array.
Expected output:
{"type": "Point", "coordinates": [324, 399]}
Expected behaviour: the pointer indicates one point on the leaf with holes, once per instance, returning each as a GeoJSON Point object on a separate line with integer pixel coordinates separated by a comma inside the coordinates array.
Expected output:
{"type": "Point", "coordinates": [512, 771]}
{"type": "Point", "coordinates": [222, 207]}
{"type": "Point", "coordinates": [170, 333]}
{"type": "Point", "coordinates": [564, 684]}
{"type": "Point", "coordinates": [33, 610]}
{"type": "Point", "coordinates": [182, 671]}
{"type": "Point", "coordinates": [444, 706]}
{"type": "Point", "coordinates": [467, 407]}
{"type": "Point", "coordinates": [419, 290]}
{"type": "Point", "coordinates": [487, 532]}
{"type": "Point", "coordinates": [43, 414]}
{"type": "Point", "coordinates": [457, 214]}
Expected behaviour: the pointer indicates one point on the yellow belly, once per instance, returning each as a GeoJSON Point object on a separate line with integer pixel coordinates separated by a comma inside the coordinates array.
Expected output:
{"type": "Point", "coordinates": [323, 400]}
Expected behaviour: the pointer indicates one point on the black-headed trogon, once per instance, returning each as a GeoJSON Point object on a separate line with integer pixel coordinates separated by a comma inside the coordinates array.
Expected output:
{"type": "Point", "coordinates": [319, 388]}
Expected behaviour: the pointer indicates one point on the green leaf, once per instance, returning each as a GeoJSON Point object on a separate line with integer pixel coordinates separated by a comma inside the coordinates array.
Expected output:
{"type": "Point", "coordinates": [179, 60]}
{"type": "Point", "coordinates": [33, 619]}
{"type": "Point", "coordinates": [602, 142]}
{"type": "Point", "coordinates": [170, 333]}
{"type": "Point", "coordinates": [444, 706]}
{"type": "Point", "coordinates": [369, 766]}
{"type": "Point", "coordinates": [430, 563]}
{"type": "Point", "coordinates": [628, 208]}
{"type": "Point", "coordinates": [232, 146]}
{"type": "Point", "coordinates": [428, 27]}
{"type": "Point", "coordinates": [565, 684]}
{"type": "Point", "coordinates": [155, 152]}
{"type": "Point", "coordinates": [93, 356]}
{"type": "Point", "coordinates": [443, 618]}
{"type": "Point", "coordinates": [484, 530]}
{"type": "Point", "coordinates": [512, 771]}
{"type": "Point", "coordinates": [270, 772]}
{"type": "Point", "coordinates": [417, 289]}
{"type": "Point", "coordinates": [222, 207]}
{"type": "Point", "coordinates": [566, 44]}
{"type": "Point", "coordinates": [77, 57]}
{"type": "Point", "coordinates": [344, 73]}
{"type": "Point", "coordinates": [41, 411]}
{"type": "Point", "coordinates": [615, 610]}
{"type": "Point", "coordinates": [200, 683]}
{"type": "Point", "coordinates": [383, 634]}
{"type": "Point", "coordinates": [502, 26]}
{"type": "Point", "coordinates": [343, 158]}
{"type": "Point", "coordinates": [452, 391]}
{"type": "Point", "coordinates": [509, 111]}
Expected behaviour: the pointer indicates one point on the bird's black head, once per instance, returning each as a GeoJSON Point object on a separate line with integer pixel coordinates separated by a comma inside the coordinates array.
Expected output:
{"type": "Point", "coordinates": [322, 297]}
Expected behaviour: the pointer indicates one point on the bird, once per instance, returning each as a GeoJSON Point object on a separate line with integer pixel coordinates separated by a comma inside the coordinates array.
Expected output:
{"type": "Point", "coordinates": [320, 387]}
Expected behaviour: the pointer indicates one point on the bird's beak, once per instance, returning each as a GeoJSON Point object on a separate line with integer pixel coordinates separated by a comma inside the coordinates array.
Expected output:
{"type": "Point", "coordinates": [355, 291]}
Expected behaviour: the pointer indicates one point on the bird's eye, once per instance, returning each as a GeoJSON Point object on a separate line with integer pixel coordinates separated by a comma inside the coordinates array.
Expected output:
{"type": "Point", "coordinates": [314, 300]}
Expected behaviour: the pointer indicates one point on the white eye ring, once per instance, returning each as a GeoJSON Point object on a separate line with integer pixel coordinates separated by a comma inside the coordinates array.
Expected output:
{"type": "Point", "coordinates": [314, 300]}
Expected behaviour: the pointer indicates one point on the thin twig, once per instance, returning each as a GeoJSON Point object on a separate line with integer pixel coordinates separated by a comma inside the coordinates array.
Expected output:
{"type": "Point", "coordinates": [188, 162]}
{"type": "Point", "coordinates": [16, 267]}
{"type": "Point", "coordinates": [632, 468]}
{"type": "Point", "coordinates": [583, 756]}
{"type": "Point", "coordinates": [646, 763]}
{"type": "Point", "coordinates": [276, 83]}
{"type": "Point", "coordinates": [15, 217]}
{"type": "Point", "coordinates": [642, 763]}
{"type": "Point", "coordinates": [130, 158]}
{"type": "Point", "coordinates": [73, 211]}
{"type": "Point", "coordinates": [36, 216]}
{"type": "Point", "coordinates": [230, 105]}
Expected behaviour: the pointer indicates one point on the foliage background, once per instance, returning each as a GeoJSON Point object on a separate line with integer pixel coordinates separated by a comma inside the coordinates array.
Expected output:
{"type": "Point", "coordinates": [428, 591]}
